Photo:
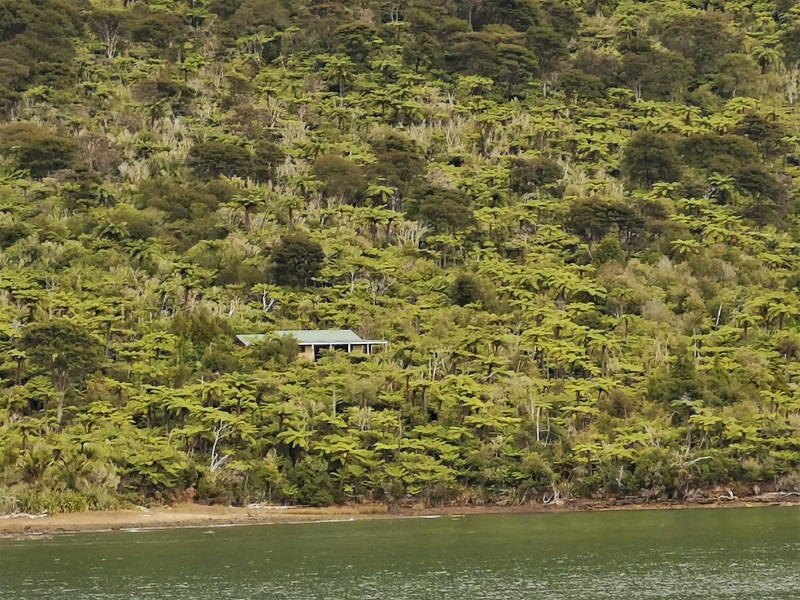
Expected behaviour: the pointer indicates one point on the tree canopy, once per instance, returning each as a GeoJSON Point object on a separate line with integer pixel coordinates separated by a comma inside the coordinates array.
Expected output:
{"type": "Point", "coordinates": [575, 223]}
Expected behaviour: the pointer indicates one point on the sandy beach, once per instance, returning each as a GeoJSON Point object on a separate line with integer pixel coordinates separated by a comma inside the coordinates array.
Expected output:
{"type": "Point", "coordinates": [196, 515]}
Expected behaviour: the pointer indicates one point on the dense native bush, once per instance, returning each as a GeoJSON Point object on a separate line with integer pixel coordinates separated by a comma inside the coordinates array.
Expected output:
{"type": "Point", "coordinates": [574, 223]}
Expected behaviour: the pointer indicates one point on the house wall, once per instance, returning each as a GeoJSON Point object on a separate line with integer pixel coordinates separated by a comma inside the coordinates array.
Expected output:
{"type": "Point", "coordinates": [308, 352]}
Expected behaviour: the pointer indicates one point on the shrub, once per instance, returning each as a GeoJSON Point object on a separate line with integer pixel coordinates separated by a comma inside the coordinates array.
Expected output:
{"type": "Point", "coordinates": [608, 250]}
{"type": "Point", "coordinates": [444, 210]}
{"type": "Point", "coordinates": [314, 485]}
{"type": "Point", "coordinates": [278, 351]}
{"type": "Point", "coordinates": [656, 470]}
{"type": "Point", "coordinates": [526, 175]}
{"type": "Point", "coordinates": [209, 160]}
{"type": "Point", "coordinates": [36, 149]}
{"type": "Point", "coordinates": [398, 169]}
{"type": "Point", "coordinates": [466, 290]}
{"type": "Point", "coordinates": [341, 178]}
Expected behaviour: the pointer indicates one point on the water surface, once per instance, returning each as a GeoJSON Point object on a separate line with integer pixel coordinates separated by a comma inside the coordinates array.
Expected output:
{"type": "Point", "coordinates": [732, 553]}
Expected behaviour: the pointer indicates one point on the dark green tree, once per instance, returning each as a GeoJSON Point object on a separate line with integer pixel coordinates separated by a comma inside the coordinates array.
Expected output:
{"type": "Point", "coordinates": [398, 169]}
{"type": "Point", "coordinates": [578, 85]}
{"type": "Point", "coordinates": [790, 39]}
{"type": "Point", "coordinates": [111, 27]}
{"type": "Point", "coordinates": [517, 65]}
{"type": "Point", "coordinates": [36, 149]}
{"type": "Point", "coordinates": [718, 153]}
{"type": "Point", "coordinates": [529, 175]}
{"type": "Point", "coordinates": [518, 14]}
{"type": "Point", "coordinates": [467, 289]}
{"type": "Point", "coordinates": [759, 180]}
{"type": "Point", "coordinates": [341, 178]}
{"type": "Point", "coordinates": [246, 17]}
{"type": "Point", "coordinates": [603, 65]}
{"type": "Point", "coordinates": [549, 47]}
{"type": "Point", "coordinates": [267, 156]}
{"type": "Point", "coordinates": [682, 380]}
{"type": "Point", "coordinates": [735, 75]}
{"type": "Point", "coordinates": [84, 189]}
{"type": "Point", "coordinates": [38, 36]}
{"type": "Point", "coordinates": [277, 351]}
{"type": "Point", "coordinates": [650, 157]}
{"type": "Point", "coordinates": [164, 95]}
{"type": "Point", "coordinates": [608, 250]}
{"type": "Point", "coordinates": [595, 218]}
{"type": "Point", "coordinates": [444, 210]}
{"type": "Point", "coordinates": [702, 37]}
{"type": "Point", "coordinates": [562, 17]}
{"type": "Point", "coordinates": [64, 348]}
{"type": "Point", "coordinates": [312, 478]}
{"type": "Point", "coordinates": [356, 40]}
{"type": "Point", "coordinates": [161, 30]}
{"type": "Point", "coordinates": [767, 135]}
{"type": "Point", "coordinates": [211, 159]}
{"type": "Point", "coordinates": [655, 74]}
{"type": "Point", "coordinates": [297, 260]}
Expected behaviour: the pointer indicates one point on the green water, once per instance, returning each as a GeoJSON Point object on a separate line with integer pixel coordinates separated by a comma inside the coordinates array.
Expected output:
{"type": "Point", "coordinates": [733, 553]}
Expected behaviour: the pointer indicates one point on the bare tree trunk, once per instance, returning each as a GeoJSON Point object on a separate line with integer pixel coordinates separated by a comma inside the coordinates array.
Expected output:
{"type": "Point", "coordinates": [60, 408]}
{"type": "Point", "coordinates": [216, 460]}
{"type": "Point", "coordinates": [111, 37]}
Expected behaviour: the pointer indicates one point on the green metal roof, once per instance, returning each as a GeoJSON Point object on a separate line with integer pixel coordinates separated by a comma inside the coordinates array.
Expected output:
{"type": "Point", "coordinates": [311, 336]}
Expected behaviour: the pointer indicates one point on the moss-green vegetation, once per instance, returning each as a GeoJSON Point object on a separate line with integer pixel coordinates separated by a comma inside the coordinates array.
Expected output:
{"type": "Point", "coordinates": [575, 222]}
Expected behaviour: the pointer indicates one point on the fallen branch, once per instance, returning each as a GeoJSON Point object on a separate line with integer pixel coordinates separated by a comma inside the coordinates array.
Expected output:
{"type": "Point", "coordinates": [772, 495]}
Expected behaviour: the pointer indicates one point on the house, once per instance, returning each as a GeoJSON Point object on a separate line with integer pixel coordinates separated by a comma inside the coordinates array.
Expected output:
{"type": "Point", "coordinates": [313, 341]}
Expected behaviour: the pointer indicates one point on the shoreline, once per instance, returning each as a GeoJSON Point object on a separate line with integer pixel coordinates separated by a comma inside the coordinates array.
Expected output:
{"type": "Point", "coordinates": [195, 515]}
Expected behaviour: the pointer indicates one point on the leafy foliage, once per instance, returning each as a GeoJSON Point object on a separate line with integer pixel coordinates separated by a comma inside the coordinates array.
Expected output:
{"type": "Point", "coordinates": [575, 223]}
{"type": "Point", "coordinates": [297, 260]}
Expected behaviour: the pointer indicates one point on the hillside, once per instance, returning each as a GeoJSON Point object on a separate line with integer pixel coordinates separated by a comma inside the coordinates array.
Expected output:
{"type": "Point", "coordinates": [576, 223]}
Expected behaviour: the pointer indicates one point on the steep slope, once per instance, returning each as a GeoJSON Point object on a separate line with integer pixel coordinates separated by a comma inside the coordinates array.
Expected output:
{"type": "Point", "coordinates": [575, 223]}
